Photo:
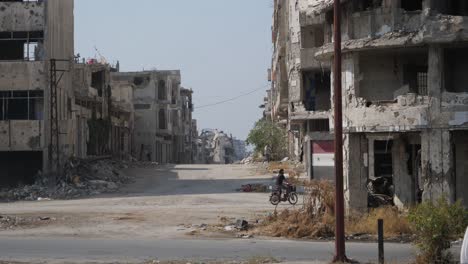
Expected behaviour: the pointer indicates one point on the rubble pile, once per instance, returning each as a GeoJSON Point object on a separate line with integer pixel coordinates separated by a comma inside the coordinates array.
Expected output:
{"type": "Point", "coordinates": [81, 177]}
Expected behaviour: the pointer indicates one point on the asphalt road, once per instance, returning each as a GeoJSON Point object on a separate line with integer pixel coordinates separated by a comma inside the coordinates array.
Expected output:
{"type": "Point", "coordinates": [96, 250]}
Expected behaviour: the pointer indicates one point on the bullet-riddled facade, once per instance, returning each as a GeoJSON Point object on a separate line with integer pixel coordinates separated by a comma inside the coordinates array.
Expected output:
{"type": "Point", "coordinates": [405, 93]}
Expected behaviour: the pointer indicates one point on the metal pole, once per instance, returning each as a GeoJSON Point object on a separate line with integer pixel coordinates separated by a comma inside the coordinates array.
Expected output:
{"type": "Point", "coordinates": [380, 231]}
{"type": "Point", "coordinates": [339, 201]}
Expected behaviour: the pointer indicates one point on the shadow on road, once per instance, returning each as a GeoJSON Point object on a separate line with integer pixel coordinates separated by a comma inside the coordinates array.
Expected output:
{"type": "Point", "coordinates": [180, 180]}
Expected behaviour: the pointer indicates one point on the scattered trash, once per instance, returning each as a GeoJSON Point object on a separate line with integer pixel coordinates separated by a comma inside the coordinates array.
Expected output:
{"type": "Point", "coordinates": [229, 228]}
{"type": "Point", "coordinates": [242, 224]}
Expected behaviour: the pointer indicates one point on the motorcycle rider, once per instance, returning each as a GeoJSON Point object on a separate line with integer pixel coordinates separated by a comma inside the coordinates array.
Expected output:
{"type": "Point", "coordinates": [280, 181]}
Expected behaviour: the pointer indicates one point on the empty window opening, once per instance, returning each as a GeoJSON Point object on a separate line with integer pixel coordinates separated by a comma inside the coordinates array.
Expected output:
{"type": "Point", "coordinates": [416, 77]}
{"type": "Point", "coordinates": [175, 90]}
{"type": "Point", "coordinates": [138, 81]}
{"type": "Point", "coordinates": [366, 5]}
{"type": "Point", "coordinates": [456, 68]}
{"type": "Point", "coordinates": [319, 125]}
{"type": "Point", "coordinates": [21, 46]}
{"type": "Point", "coordinates": [162, 119]}
{"type": "Point", "coordinates": [97, 81]}
{"type": "Point", "coordinates": [412, 5]}
{"type": "Point", "coordinates": [312, 37]}
{"type": "Point", "coordinates": [386, 76]}
{"type": "Point", "coordinates": [21, 105]}
{"type": "Point", "coordinates": [451, 7]}
{"type": "Point", "coordinates": [316, 91]}
{"type": "Point", "coordinates": [383, 160]}
{"type": "Point", "coordinates": [162, 91]}
{"type": "Point", "coordinates": [13, 170]}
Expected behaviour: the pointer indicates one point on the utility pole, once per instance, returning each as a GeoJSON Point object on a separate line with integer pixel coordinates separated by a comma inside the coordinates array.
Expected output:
{"type": "Point", "coordinates": [338, 111]}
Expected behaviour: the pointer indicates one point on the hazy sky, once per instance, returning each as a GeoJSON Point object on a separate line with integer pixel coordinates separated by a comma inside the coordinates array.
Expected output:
{"type": "Point", "coordinates": [222, 47]}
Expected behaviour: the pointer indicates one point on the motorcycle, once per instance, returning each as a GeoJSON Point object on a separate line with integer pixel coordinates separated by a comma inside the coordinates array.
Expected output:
{"type": "Point", "coordinates": [290, 195]}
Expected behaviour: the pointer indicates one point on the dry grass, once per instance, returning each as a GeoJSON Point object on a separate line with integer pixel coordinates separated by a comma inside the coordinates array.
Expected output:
{"type": "Point", "coordinates": [316, 219]}
{"type": "Point", "coordinates": [395, 223]}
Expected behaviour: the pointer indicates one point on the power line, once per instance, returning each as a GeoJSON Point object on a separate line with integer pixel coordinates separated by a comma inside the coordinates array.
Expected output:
{"type": "Point", "coordinates": [232, 99]}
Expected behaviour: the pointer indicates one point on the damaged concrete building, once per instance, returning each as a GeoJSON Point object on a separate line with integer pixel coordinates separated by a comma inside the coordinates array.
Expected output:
{"type": "Point", "coordinates": [405, 92]}
{"type": "Point", "coordinates": [163, 115]}
{"type": "Point", "coordinates": [103, 112]}
{"type": "Point", "coordinates": [54, 108]}
{"type": "Point", "coordinates": [36, 45]}
{"type": "Point", "coordinates": [217, 147]}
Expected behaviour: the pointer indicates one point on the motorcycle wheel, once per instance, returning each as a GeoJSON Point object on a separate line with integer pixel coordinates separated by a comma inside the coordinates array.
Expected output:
{"type": "Point", "coordinates": [275, 199]}
{"type": "Point", "coordinates": [293, 199]}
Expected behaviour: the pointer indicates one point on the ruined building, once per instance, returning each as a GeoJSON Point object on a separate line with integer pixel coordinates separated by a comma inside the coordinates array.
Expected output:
{"type": "Point", "coordinates": [162, 117]}
{"type": "Point", "coordinates": [217, 147]}
{"type": "Point", "coordinates": [52, 106]}
{"type": "Point", "coordinates": [405, 100]}
{"type": "Point", "coordinates": [35, 120]}
{"type": "Point", "coordinates": [103, 112]}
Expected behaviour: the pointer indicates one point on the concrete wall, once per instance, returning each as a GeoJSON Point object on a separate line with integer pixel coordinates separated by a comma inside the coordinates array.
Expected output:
{"type": "Point", "coordinates": [22, 16]}
{"type": "Point", "coordinates": [22, 75]}
{"type": "Point", "coordinates": [21, 135]}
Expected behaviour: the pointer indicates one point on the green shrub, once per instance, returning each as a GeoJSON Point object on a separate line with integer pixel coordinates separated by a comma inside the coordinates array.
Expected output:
{"type": "Point", "coordinates": [436, 224]}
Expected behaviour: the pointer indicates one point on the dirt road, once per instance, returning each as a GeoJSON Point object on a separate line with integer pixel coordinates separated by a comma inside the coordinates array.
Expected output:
{"type": "Point", "coordinates": [153, 218]}
{"type": "Point", "coordinates": [162, 203]}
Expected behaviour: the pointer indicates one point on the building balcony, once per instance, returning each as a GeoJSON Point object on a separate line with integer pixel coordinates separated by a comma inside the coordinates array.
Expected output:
{"type": "Point", "coordinates": [308, 60]}
{"type": "Point", "coordinates": [21, 135]}
{"type": "Point", "coordinates": [408, 113]}
{"type": "Point", "coordinates": [22, 75]}
{"type": "Point", "coordinates": [22, 16]}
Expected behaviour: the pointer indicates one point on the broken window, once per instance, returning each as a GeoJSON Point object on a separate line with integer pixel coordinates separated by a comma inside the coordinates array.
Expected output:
{"type": "Point", "coordinates": [456, 68]}
{"type": "Point", "coordinates": [319, 125]}
{"type": "Point", "coordinates": [412, 5]}
{"type": "Point", "coordinates": [138, 81]}
{"type": "Point", "coordinates": [97, 81]}
{"type": "Point", "coordinates": [383, 160]}
{"type": "Point", "coordinates": [416, 77]}
{"type": "Point", "coordinates": [316, 91]}
{"type": "Point", "coordinates": [26, 46]}
{"type": "Point", "coordinates": [21, 105]}
{"type": "Point", "coordinates": [162, 91]}
{"type": "Point", "coordinates": [162, 119]}
{"type": "Point", "coordinates": [312, 37]}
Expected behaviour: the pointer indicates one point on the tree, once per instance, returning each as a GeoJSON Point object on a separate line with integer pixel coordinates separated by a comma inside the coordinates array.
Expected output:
{"type": "Point", "coordinates": [266, 133]}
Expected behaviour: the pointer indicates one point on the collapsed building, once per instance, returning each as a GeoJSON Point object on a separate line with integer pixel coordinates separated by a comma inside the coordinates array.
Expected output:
{"type": "Point", "coordinates": [162, 115]}
{"type": "Point", "coordinates": [217, 147]}
{"type": "Point", "coordinates": [405, 95]}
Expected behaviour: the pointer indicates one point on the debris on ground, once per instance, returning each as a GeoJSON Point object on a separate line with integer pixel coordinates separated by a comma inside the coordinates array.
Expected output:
{"type": "Point", "coordinates": [242, 224]}
{"type": "Point", "coordinates": [81, 177]}
{"type": "Point", "coordinates": [14, 222]}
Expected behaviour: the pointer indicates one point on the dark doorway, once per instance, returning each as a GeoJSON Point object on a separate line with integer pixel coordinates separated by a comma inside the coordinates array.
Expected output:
{"type": "Point", "coordinates": [19, 168]}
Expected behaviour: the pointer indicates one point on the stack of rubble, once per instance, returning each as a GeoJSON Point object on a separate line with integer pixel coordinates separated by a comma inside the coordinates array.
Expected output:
{"type": "Point", "coordinates": [80, 178]}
